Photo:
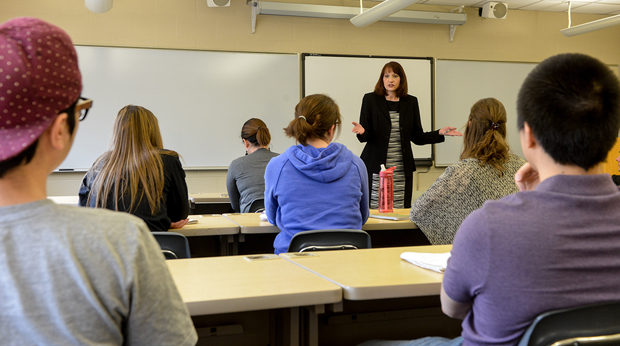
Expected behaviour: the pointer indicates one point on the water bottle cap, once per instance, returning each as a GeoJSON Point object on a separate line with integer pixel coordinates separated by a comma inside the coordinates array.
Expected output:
{"type": "Point", "coordinates": [388, 172]}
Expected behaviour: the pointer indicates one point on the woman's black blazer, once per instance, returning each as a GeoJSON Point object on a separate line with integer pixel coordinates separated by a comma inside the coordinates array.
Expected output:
{"type": "Point", "coordinates": [375, 118]}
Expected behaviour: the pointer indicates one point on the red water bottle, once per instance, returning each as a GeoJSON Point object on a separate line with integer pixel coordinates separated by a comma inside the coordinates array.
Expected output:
{"type": "Point", "coordinates": [386, 190]}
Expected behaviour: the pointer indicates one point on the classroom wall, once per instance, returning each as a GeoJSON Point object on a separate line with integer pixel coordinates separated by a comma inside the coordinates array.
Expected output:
{"type": "Point", "coordinates": [525, 36]}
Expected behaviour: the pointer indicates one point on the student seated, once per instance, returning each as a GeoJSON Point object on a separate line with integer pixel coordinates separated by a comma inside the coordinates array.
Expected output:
{"type": "Point", "coordinates": [70, 276]}
{"type": "Point", "coordinates": [246, 175]}
{"type": "Point", "coordinates": [554, 244]}
{"type": "Point", "coordinates": [486, 171]}
{"type": "Point", "coordinates": [137, 175]}
{"type": "Point", "coordinates": [316, 184]}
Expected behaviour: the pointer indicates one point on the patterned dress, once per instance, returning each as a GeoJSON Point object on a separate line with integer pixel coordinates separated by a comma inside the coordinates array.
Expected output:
{"type": "Point", "coordinates": [394, 158]}
{"type": "Point", "coordinates": [461, 189]}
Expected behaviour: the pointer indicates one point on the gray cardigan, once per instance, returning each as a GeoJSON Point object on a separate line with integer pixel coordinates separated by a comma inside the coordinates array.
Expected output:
{"type": "Point", "coordinates": [246, 179]}
{"type": "Point", "coordinates": [461, 189]}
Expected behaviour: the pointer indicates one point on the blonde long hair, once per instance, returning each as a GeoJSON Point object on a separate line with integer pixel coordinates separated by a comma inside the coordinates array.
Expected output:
{"type": "Point", "coordinates": [485, 134]}
{"type": "Point", "coordinates": [134, 164]}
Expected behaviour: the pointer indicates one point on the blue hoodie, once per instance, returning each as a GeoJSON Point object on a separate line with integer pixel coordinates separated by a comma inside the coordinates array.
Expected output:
{"type": "Point", "coordinates": [309, 188]}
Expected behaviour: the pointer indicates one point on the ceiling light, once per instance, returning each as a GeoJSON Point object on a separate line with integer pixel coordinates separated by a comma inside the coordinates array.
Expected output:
{"type": "Point", "coordinates": [98, 6]}
{"type": "Point", "coordinates": [592, 26]}
{"type": "Point", "coordinates": [380, 11]}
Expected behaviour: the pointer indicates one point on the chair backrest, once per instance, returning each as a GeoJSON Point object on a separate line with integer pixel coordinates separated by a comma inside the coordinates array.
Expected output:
{"type": "Point", "coordinates": [588, 325]}
{"type": "Point", "coordinates": [330, 239]}
{"type": "Point", "coordinates": [173, 245]}
{"type": "Point", "coordinates": [257, 206]}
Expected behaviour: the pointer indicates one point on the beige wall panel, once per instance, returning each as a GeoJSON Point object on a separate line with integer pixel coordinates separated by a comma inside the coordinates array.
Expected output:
{"type": "Point", "coordinates": [524, 36]}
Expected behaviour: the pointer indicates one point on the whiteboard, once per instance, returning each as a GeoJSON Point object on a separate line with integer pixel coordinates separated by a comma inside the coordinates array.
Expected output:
{"type": "Point", "coordinates": [347, 78]}
{"type": "Point", "coordinates": [460, 84]}
{"type": "Point", "coordinates": [201, 99]}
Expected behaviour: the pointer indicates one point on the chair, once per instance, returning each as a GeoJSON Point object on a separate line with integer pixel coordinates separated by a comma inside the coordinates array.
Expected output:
{"type": "Point", "coordinates": [329, 239]}
{"type": "Point", "coordinates": [258, 206]}
{"type": "Point", "coordinates": [589, 325]}
{"type": "Point", "coordinates": [173, 245]}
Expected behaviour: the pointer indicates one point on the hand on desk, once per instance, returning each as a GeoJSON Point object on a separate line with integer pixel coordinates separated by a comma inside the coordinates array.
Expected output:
{"type": "Point", "coordinates": [179, 224]}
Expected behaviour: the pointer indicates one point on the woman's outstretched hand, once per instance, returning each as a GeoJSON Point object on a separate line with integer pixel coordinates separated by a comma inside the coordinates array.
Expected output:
{"type": "Point", "coordinates": [358, 129]}
{"type": "Point", "coordinates": [449, 131]}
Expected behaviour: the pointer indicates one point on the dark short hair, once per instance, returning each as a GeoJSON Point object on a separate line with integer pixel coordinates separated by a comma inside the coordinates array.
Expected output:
{"type": "Point", "coordinates": [572, 104]}
{"type": "Point", "coordinates": [402, 89]}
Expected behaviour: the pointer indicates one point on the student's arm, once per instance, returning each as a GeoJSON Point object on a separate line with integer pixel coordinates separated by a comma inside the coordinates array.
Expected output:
{"type": "Point", "coordinates": [272, 175]}
{"type": "Point", "coordinates": [231, 186]}
{"type": "Point", "coordinates": [453, 308]}
{"type": "Point", "coordinates": [466, 275]}
{"type": "Point", "coordinates": [178, 203]}
{"type": "Point", "coordinates": [156, 312]}
{"type": "Point", "coordinates": [365, 202]}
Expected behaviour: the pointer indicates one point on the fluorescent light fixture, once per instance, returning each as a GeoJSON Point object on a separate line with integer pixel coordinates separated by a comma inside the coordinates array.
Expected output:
{"type": "Point", "coordinates": [380, 11]}
{"type": "Point", "coordinates": [592, 26]}
{"type": "Point", "coordinates": [343, 12]}
{"type": "Point", "coordinates": [98, 6]}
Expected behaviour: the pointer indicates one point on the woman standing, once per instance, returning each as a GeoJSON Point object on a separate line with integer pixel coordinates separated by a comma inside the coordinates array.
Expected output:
{"type": "Point", "coordinates": [246, 175]}
{"type": "Point", "coordinates": [316, 184]}
{"type": "Point", "coordinates": [137, 175]}
{"type": "Point", "coordinates": [486, 171]}
{"type": "Point", "coordinates": [389, 121]}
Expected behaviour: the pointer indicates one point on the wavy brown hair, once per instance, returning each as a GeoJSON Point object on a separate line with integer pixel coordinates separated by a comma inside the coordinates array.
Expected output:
{"type": "Point", "coordinates": [395, 67]}
{"type": "Point", "coordinates": [133, 166]}
{"type": "Point", "coordinates": [485, 134]}
{"type": "Point", "coordinates": [320, 112]}
{"type": "Point", "coordinates": [256, 132]}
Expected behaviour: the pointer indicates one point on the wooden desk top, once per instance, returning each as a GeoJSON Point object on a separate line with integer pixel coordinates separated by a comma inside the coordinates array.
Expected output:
{"type": "Point", "coordinates": [211, 197]}
{"type": "Point", "coordinates": [214, 224]}
{"type": "Point", "coordinates": [375, 273]}
{"type": "Point", "coordinates": [215, 285]}
{"type": "Point", "coordinates": [250, 223]}
{"type": "Point", "coordinates": [374, 224]}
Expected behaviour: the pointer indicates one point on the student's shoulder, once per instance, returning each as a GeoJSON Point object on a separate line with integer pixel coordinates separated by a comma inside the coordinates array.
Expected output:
{"type": "Point", "coordinates": [100, 219]}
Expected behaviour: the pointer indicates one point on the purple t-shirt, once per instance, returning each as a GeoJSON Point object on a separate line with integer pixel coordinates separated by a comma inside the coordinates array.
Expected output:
{"type": "Point", "coordinates": [536, 251]}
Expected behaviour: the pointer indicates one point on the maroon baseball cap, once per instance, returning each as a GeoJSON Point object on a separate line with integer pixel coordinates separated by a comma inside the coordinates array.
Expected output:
{"type": "Point", "coordinates": [39, 78]}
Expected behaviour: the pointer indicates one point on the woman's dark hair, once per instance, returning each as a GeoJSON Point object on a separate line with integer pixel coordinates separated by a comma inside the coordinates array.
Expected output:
{"type": "Point", "coordinates": [395, 67]}
{"type": "Point", "coordinates": [256, 132]}
{"type": "Point", "coordinates": [314, 116]}
{"type": "Point", "coordinates": [485, 134]}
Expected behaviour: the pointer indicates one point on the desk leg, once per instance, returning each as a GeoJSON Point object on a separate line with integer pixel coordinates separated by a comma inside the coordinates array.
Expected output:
{"type": "Point", "coordinates": [294, 326]}
{"type": "Point", "coordinates": [228, 245]}
{"type": "Point", "coordinates": [234, 243]}
{"type": "Point", "coordinates": [310, 325]}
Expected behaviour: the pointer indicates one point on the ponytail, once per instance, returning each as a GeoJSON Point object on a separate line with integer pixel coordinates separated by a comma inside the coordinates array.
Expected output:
{"type": "Point", "coordinates": [256, 132]}
{"type": "Point", "coordinates": [314, 117]}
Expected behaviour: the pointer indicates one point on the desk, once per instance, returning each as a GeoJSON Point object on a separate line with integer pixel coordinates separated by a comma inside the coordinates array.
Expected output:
{"type": "Point", "coordinates": [255, 236]}
{"type": "Point", "coordinates": [209, 203]}
{"type": "Point", "coordinates": [384, 296]}
{"type": "Point", "coordinates": [225, 285]}
{"type": "Point", "coordinates": [375, 273]}
{"type": "Point", "coordinates": [250, 223]}
{"type": "Point", "coordinates": [68, 200]}
{"type": "Point", "coordinates": [210, 225]}
{"type": "Point", "coordinates": [374, 224]}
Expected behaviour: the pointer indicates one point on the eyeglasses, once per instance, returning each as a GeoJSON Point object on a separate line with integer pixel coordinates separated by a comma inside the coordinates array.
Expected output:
{"type": "Point", "coordinates": [83, 106]}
